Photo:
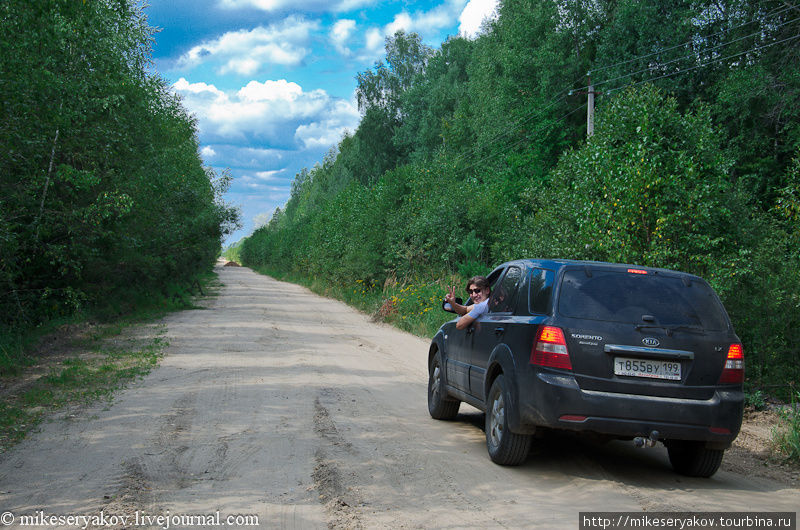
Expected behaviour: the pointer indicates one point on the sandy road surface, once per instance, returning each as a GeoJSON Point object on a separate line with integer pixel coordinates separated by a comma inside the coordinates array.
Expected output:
{"type": "Point", "coordinates": [279, 403]}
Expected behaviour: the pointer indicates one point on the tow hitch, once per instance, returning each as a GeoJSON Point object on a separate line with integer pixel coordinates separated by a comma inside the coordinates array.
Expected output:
{"type": "Point", "coordinates": [641, 441]}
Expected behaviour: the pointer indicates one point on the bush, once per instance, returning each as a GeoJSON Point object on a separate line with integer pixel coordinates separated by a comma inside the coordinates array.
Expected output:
{"type": "Point", "coordinates": [786, 437]}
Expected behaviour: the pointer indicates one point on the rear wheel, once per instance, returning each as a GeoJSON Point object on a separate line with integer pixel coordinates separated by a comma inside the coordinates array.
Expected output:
{"type": "Point", "coordinates": [440, 405]}
{"type": "Point", "coordinates": [693, 458]}
{"type": "Point", "coordinates": [505, 447]}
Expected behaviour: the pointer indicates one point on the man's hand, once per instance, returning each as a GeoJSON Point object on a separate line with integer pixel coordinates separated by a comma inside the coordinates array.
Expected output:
{"type": "Point", "coordinates": [450, 297]}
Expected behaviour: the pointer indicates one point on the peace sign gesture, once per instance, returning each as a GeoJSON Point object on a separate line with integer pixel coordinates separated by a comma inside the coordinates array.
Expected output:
{"type": "Point", "coordinates": [450, 297]}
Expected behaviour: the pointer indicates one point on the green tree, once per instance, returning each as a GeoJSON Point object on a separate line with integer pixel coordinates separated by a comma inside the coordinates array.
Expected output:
{"type": "Point", "coordinates": [102, 185]}
{"type": "Point", "coordinates": [650, 187]}
{"type": "Point", "coordinates": [432, 103]}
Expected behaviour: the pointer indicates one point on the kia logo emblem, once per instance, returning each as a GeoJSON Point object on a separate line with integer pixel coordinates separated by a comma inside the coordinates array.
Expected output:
{"type": "Point", "coordinates": [649, 341]}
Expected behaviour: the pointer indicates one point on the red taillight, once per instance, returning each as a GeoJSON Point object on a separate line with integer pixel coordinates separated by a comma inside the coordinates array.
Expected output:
{"type": "Point", "coordinates": [733, 372]}
{"type": "Point", "coordinates": [550, 349]}
{"type": "Point", "coordinates": [637, 271]}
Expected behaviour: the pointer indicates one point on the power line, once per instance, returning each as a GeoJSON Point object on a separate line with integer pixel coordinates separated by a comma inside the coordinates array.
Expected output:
{"type": "Point", "coordinates": [689, 56]}
{"type": "Point", "coordinates": [704, 64]}
{"type": "Point", "coordinates": [539, 113]}
{"type": "Point", "coordinates": [513, 128]}
{"type": "Point", "coordinates": [515, 144]}
{"type": "Point", "coordinates": [689, 42]}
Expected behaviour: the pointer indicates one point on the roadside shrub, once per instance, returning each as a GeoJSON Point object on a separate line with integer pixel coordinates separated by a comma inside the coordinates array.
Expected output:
{"type": "Point", "coordinates": [755, 399]}
{"type": "Point", "coordinates": [786, 437]}
{"type": "Point", "coordinates": [471, 248]}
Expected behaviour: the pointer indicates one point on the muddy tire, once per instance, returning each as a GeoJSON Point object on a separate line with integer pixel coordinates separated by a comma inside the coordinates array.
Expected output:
{"type": "Point", "coordinates": [693, 459]}
{"type": "Point", "coordinates": [440, 405]}
{"type": "Point", "coordinates": [505, 447]}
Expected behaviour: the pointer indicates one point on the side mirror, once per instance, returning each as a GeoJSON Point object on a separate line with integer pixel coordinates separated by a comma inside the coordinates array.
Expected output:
{"type": "Point", "coordinates": [447, 307]}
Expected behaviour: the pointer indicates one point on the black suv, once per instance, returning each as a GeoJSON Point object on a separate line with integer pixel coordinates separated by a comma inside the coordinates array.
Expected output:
{"type": "Point", "coordinates": [621, 351]}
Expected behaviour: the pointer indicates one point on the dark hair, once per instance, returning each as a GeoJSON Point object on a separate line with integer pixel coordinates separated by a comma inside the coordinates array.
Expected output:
{"type": "Point", "coordinates": [478, 281]}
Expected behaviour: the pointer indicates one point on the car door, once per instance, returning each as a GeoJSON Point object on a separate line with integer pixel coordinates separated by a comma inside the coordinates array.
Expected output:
{"type": "Point", "coordinates": [457, 344]}
{"type": "Point", "coordinates": [491, 328]}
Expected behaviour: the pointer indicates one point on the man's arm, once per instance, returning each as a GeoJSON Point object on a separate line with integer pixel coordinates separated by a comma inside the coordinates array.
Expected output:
{"type": "Point", "coordinates": [474, 312]}
{"type": "Point", "coordinates": [464, 322]}
{"type": "Point", "coordinates": [459, 309]}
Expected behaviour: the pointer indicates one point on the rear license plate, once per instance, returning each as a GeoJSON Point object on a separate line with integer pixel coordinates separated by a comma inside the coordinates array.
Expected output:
{"type": "Point", "coordinates": [647, 368]}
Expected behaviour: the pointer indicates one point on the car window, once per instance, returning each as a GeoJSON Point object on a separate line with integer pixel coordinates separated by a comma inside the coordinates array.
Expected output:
{"type": "Point", "coordinates": [541, 290]}
{"type": "Point", "coordinates": [618, 296]}
{"type": "Point", "coordinates": [504, 294]}
{"type": "Point", "coordinates": [494, 276]}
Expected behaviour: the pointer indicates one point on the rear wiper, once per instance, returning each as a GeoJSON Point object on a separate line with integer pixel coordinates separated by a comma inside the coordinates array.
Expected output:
{"type": "Point", "coordinates": [667, 329]}
{"type": "Point", "coordinates": [671, 329]}
{"type": "Point", "coordinates": [693, 329]}
{"type": "Point", "coordinates": [653, 326]}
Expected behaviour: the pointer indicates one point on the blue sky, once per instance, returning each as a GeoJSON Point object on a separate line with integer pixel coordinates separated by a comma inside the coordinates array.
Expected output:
{"type": "Point", "coordinates": [272, 82]}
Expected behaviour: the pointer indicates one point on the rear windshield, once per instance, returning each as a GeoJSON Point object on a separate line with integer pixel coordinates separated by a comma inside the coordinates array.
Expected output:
{"type": "Point", "coordinates": [618, 296]}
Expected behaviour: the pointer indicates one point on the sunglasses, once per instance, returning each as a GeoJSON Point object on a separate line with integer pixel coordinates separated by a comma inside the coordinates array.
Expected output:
{"type": "Point", "coordinates": [474, 291]}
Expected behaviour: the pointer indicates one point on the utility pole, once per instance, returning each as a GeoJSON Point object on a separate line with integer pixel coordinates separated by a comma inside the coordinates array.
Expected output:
{"type": "Point", "coordinates": [590, 105]}
{"type": "Point", "coordinates": [590, 109]}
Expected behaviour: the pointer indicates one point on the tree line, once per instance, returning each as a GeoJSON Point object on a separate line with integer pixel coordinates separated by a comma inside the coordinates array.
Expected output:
{"type": "Point", "coordinates": [476, 152]}
{"type": "Point", "coordinates": [104, 196]}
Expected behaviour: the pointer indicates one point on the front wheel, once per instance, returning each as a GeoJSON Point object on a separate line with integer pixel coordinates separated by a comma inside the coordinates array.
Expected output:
{"type": "Point", "coordinates": [693, 458]}
{"type": "Point", "coordinates": [440, 405]}
{"type": "Point", "coordinates": [505, 447]}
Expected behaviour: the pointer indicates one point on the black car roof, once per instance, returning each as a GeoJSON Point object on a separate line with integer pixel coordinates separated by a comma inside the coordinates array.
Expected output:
{"type": "Point", "coordinates": [562, 263]}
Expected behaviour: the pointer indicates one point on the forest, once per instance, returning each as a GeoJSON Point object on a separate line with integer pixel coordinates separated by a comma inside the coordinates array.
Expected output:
{"type": "Point", "coordinates": [476, 152]}
{"type": "Point", "coordinates": [105, 203]}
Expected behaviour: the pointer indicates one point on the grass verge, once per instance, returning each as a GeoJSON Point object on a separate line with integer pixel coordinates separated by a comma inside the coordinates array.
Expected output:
{"type": "Point", "coordinates": [82, 375]}
{"type": "Point", "coordinates": [127, 307]}
{"type": "Point", "coordinates": [78, 361]}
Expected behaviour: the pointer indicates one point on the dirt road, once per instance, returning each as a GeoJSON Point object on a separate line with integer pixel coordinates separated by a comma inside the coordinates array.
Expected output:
{"type": "Point", "coordinates": [281, 404]}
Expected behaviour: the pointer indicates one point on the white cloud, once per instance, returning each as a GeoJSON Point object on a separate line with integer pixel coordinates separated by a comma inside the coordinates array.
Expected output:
{"type": "Point", "coordinates": [441, 16]}
{"type": "Point", "coordinates": [261, 220]}
{"type": "Point", "coordinates": [326, 132]}
{"type": "Point", "coordinates": [207, 152]}
{"type": "Point", "coordinates": [473, 15]}
{"type": "Point", "coordinates": [301, 5]}
{"type": "Point", "coordinates": [402, 22]}
{"type": "Point", "coordinates": [270, 91]}
{"type": "Point", "coordinates": [246, 52]}
{"type": "Point", "coordinates": [340, 35]}
{"type": "Point", "coordinates": [199, 89]}
{"type": "Point", "coordinates": [267, 176]}
{"type": "Point", "coordinates": [425, 23]}
{"type": "Point", "coordinates": [259, 184]}
{"type": "Point", "coordinates": [375, 39]}
{"type": "Point", "coordinates": [276, 113]}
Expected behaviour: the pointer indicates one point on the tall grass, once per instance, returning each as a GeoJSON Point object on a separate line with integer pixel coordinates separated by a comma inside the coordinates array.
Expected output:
{"type": "Point", "coordinates": [786, 437]}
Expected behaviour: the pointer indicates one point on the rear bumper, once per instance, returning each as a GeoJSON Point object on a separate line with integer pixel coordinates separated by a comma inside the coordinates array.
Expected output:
{"type": "Point", "coordinates": [550, 399]}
